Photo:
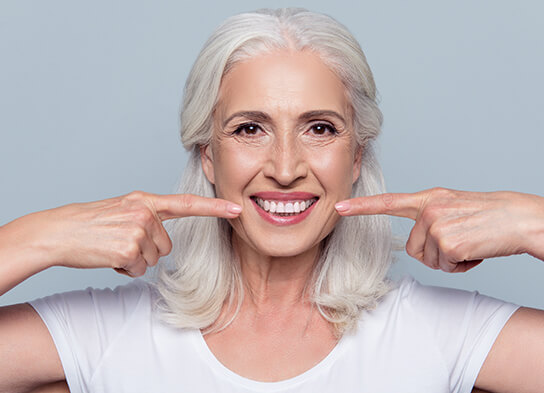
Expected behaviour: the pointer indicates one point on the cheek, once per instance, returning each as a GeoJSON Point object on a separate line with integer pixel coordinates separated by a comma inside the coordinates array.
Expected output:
{"type": "Point", "coordinates": [334, 169]}
{"type": "Point", "coordinates": [234, 168]}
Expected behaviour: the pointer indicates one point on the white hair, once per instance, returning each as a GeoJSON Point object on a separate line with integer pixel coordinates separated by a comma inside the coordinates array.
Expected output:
{"type": "Point", "coordinates": [204, 275]}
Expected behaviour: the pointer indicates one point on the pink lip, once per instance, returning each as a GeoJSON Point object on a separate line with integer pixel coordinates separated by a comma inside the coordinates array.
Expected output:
{"type": "Point", "coordinates": [287, 220]}
{"type": "Point", "coordinates": [284, 196]}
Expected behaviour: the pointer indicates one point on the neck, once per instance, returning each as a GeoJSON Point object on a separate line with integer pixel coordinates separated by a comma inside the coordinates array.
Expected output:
{"type": "Point", "coordinates": [273, 282]}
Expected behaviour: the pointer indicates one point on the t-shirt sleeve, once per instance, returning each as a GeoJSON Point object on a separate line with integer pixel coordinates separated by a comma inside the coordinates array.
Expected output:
{"type": "Point", "coordinates": [464, 326]}
{"type": "Point", "coordinates": [84, 323]}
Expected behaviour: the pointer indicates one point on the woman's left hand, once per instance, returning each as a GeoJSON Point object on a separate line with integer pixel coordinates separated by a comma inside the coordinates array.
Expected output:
{"type": "Point", "coordinates": [456, 230]}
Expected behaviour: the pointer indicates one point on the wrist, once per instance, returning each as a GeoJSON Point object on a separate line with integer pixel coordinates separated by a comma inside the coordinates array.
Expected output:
{"type": "Point", "coordinates": [22, 242]}
{"type": "Point", "coordinates": [534, 234]}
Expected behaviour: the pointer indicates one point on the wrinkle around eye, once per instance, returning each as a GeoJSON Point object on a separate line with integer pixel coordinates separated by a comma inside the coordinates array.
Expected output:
{"type": "Point", "coordinates": [330, 130]}
{"type": "Point", "coordinates": [338, 135]}
{"type": "Point", "coordinates": [249, 130]}
{"type": "Point", "coordinates": [260, 138]}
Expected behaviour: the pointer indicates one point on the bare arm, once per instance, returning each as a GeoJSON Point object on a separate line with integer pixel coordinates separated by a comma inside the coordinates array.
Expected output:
{"type": "Point", "coordinates": [123, 233]}
{"type": "Point", "coordinates": [55, 387]}
{"type": "Point", "coordinates": [28, 357]}
{"type": "Point", "coordinates": [515, 363]}
{"type": "Point", "coordinates": [454, 231]}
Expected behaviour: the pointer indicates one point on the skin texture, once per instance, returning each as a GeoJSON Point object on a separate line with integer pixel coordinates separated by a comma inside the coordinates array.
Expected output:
{"type": "Point", "coordinates": [455, 231]}
{"type": "Point", "coordinates": [124, 233]}
{"type": "Point", "coordinates": [286, 150]}
{"type": "Point", "coordinates": [283, 153]}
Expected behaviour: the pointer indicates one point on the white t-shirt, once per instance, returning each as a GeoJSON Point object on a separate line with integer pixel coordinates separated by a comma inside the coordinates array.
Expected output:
{"type": "Point", "coordinates": [419, 339]}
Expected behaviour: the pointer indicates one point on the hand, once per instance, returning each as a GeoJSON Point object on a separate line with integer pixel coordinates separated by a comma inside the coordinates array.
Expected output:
{"type": "Point", "coordinates": [125, 233]}
{"type": "Point", "coordinates": [456, 230]}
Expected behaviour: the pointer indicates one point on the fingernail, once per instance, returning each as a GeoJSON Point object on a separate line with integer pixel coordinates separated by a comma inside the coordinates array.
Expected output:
{"type": "Point", "coordinates": [342, 206]}
{"type": "Point", "coordinates": [234, 209]}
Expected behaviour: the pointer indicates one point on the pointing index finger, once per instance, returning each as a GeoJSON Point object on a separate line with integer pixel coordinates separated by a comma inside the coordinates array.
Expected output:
{"type": "Point", "coordinates": [184, 205]}
{"type": "Point", "coordinates": [394, 204]}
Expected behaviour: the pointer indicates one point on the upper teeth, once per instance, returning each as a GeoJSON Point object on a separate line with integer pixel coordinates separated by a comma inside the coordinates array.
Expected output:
{"type": "Point", "coordinates": [284, 207]}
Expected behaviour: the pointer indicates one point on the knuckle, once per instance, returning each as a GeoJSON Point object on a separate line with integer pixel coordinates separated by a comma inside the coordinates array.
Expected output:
{"type": "Point", "coordinates": [138, 195]}
{"type": "Point", "coordinates": [438, 190]}
{"type": "Point", "coordinates": [131, 252]}
{"type": "Point", "coordinates": [186, 202]}
{"type": "Point", "coordinates": [449, 247]}
{"type": "Point", "coordinates": [430, 214]}
{"type": "Point", "coordinates": [167, 247]}
{"type": "Point", "coordinates": [153, 260]}
{"type": "Point", "coordinates": [217, 205]}
{"type": "Point", "coordinates": [442, 193]}
{"type": "Point", "coordinates": [437, 232]}
{"type": "Point", "coordinates": [429, 258]}
{"type": "Point", "coordinates": [388, 200]}
{"type": "Point", "coordinates": [138, 271]}
{"type": "Point", "coordinates": [411, 249]}
{"type": "Point", "coordinates": [138, 233]}
{"type": "Point", "coordinates": [143, 216]}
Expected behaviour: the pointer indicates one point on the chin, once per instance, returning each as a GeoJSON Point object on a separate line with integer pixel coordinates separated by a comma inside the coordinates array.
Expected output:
{"type": "Point", "coordinates": [284, 248]}
{"type": "Point", "coordinates": [283, 253]}
{"type": "Point", "coordinates": [281, 242]}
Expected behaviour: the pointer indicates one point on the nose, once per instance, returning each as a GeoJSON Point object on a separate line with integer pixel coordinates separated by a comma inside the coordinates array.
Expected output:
{"type": "Point", "coordinates": [285, 162]}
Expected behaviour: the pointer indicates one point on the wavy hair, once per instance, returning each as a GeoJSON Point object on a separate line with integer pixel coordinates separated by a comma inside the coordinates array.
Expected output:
{"type": "Point", "coordinates": [203, 275]}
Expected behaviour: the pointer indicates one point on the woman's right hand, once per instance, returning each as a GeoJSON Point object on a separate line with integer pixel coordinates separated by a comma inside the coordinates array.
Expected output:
{"type": "Point", "coordinates": [124, 233]}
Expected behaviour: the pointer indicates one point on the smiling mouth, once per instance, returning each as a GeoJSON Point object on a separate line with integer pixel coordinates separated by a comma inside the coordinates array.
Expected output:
{"type": "Point", "coordinates": [284, 208]}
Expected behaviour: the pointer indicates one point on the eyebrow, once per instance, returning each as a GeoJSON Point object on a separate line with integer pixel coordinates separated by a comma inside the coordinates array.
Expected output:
{"type": "Point", "coordinates": [264, 117]}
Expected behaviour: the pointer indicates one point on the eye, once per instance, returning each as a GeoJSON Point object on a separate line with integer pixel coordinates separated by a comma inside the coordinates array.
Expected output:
{"type": "Point", "coordinates": [323, 129]}
{"type": "Point", "coordinates": [249, 129]}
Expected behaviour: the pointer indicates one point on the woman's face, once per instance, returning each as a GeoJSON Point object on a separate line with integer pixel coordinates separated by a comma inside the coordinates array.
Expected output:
{"type": "Point", "coordinates": [283, 148]}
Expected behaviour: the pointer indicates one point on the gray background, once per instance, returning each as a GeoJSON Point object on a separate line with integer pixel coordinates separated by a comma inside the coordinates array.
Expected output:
{"type": "Point", "coordinates": [90, 95]}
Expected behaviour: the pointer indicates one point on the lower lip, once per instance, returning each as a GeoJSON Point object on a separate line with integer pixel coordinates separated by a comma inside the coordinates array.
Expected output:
{"type": "Point", "coordinates": [280, 220]}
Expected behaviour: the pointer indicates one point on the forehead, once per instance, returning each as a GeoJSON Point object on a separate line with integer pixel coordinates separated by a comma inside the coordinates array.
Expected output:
{"type": "Point", "coordinates": [282, 82]}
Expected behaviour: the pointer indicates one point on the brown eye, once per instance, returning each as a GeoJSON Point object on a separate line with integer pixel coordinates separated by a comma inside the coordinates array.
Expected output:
{"type": "Point", "coordinates": [323, 129]}
{"type": "Point", "coordinates": [249, 129]}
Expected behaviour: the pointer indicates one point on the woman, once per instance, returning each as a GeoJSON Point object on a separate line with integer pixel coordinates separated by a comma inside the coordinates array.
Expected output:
{"type": "Point", "coordinates": [280, 117]}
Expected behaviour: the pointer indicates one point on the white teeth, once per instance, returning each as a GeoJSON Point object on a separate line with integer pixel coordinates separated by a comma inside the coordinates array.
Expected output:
{"type": "Point", "coordinates": [285, 207]}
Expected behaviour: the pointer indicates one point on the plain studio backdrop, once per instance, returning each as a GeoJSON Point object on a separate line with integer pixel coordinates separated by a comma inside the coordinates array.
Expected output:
{"type": "Point", "coordinates": [90, 95]}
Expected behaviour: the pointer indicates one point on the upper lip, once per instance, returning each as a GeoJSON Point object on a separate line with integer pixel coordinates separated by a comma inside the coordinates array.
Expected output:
{"type": "Point", "coordinates": [284, 196]}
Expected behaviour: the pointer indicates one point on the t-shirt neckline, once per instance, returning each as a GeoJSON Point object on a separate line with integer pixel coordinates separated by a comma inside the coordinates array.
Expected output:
{"type": "Point", "coordinates": [223, 371]}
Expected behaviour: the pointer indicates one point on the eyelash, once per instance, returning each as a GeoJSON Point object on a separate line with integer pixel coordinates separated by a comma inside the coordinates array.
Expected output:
{"type": "Point", "coordinates": [243, 126]}
{"type": "Point", "coordinates": [330, 127]}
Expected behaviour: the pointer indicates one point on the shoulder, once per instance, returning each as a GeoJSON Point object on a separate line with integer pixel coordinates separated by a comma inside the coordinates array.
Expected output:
{"type": "Point", "coordinates": [446, 330]}
{"type": "Point", "coordinates": [96, 330]}
{"type": "Point", "coordinates": [126, 295]}
{"type": "Point", "coordinates": [434, 306]}
{"type": "Point", "coordinates": [107, 309]}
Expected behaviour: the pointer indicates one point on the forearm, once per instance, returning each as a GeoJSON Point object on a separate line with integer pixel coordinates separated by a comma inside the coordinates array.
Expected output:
{"type": "Point", "coordinates": [21, 253]}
